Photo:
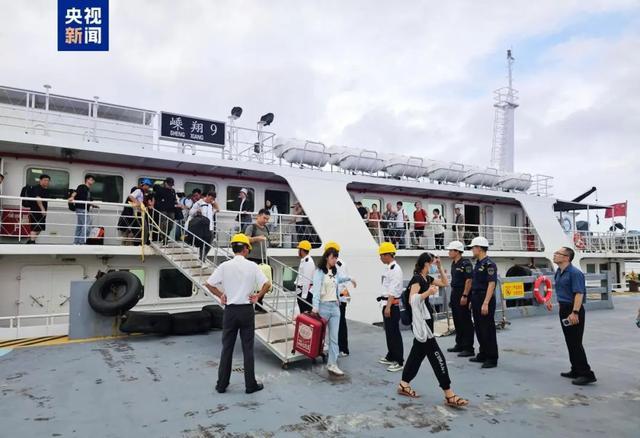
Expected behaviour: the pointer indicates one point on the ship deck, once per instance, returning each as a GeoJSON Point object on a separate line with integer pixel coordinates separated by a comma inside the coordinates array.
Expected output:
{"type": "Point", "coordinates": [163, 387]}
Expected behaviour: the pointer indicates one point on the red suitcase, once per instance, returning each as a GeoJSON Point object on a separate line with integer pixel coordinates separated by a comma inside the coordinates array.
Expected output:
{"type": "Point", "coordinates": [308, 337]}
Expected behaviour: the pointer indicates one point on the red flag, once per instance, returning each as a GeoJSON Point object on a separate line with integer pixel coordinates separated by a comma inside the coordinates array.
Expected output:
{"type": "Point", "coordinates": [617, 210]}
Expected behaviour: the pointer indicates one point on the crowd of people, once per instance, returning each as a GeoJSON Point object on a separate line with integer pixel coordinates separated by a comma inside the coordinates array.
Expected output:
{"type": "Point", "coordinates": [323, 289]}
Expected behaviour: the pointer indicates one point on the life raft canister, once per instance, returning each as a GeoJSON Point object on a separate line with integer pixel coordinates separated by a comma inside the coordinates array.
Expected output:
{"type": "Point", "coordinates": [548, 289]}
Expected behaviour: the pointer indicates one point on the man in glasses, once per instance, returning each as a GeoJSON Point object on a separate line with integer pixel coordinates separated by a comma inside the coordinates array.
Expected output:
{"type": "Point", "coordinates": [570, 292]}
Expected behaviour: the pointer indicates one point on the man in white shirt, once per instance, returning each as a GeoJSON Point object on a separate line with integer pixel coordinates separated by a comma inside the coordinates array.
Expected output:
{"type": "Point", "coordinates": [304, 280]}
{"type": "Point", "coordinates": [208, 207]}
{"type": "Point", "coordinates": [234, 283]}
{"type": "Point", "coordinates": [401, 224]}
{"type": "Point", "coordinates": [391, 294]}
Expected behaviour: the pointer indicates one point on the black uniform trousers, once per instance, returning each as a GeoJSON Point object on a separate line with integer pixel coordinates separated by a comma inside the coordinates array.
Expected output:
{"type": "Point", "coordinates": [237, 318]}
{"type": "Point", "coordinates": [462, 321]}
{"type": "Point", "coordinates": [343, 336]}
{"type": "Point", "coordinates": [431, 351]}
{"type": "Point", "coordinates": [573, 338]}
{"type": "Point", "coordinates": [304, 307]}
{"type": "Point", "coordinates": [485, 327]}
{"type": "Point", "coordinates": [395, 349]}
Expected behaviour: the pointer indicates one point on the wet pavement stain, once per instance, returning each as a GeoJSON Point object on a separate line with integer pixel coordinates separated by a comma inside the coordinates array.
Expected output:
{"type": "Point", "coordinates": [154, 374]}
{"type": "Point", "coordinates": [216, 410]}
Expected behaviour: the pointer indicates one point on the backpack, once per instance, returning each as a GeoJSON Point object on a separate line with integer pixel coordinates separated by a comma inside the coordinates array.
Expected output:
{"type": "Point", "coordinates": [253, 230]}
{"type": "Point", "coordinates": [71, 205]}
{"type": "Point", "coordinates": [27, 192]}
{"type": "Point", "coordinates": [406, 314]}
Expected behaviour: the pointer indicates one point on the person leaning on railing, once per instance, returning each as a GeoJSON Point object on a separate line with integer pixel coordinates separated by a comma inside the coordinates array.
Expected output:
{"type": "Point", "coordinates": [129, 223]}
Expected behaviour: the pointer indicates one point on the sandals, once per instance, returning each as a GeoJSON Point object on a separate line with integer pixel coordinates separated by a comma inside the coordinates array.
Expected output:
{"type": "Point", "coordinates": [407, 391]}
{"type": "Point", "coordinates": [456, 401]}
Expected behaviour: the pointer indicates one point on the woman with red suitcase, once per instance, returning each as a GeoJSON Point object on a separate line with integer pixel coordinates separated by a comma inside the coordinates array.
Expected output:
{"type": "Point", "coordinates": [421, 286]}
{"type": "Point", "coordinates": [326, 302]}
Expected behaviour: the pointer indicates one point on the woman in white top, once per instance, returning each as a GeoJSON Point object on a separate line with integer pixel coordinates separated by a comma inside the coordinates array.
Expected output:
{"type": "Point", "coordinates": [275, 219]}
{"type": "Point", "coordinates": [437, 222]}
{"type": "Point", "coordinates": [421, 287]}
{"type": "Point", "coordinates": [326, 302]}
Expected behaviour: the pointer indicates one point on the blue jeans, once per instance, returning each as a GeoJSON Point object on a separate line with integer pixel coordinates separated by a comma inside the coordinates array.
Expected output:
{"type": "Point", "coordinates": [330, 311]}
{"type": "Point", "coordinates": [82, 228]}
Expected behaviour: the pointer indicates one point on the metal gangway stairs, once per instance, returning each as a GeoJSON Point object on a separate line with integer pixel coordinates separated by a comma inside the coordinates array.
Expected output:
{"type": "Point", "coordinates": [274, 328]}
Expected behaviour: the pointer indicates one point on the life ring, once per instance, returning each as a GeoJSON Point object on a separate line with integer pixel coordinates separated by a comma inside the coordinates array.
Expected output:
{"type": "Point", "coordinates": [547, 286]}
{"type": "Point", "coordinates": [578, 241]}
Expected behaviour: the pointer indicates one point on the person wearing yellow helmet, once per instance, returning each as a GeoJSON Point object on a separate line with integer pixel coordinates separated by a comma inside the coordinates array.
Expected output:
{"type": "Point", "coordinates": [331, 244]}
{"type": "Point", "coordinates": [234, 283]}
{"type": "Point", "coordinates": [305, 276]}
{"type": "Point", "coordinates": [391, 294]}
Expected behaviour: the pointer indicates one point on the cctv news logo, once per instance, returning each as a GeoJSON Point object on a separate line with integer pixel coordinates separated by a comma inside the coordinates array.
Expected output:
{"type": "Point", "coordinates": [83, 25]}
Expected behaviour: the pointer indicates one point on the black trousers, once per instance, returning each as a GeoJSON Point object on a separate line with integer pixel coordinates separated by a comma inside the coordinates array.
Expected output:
{"type": "Point", "coordinates": [439, 238]}
{"type": "Point", "coordinates": [431, 351]}
{"type": "Point", "coordinates": [343, 335]}
{"type": "Point", "coordinates": [462, 321]}
{"type": "Point", "coordinates": [573, 338]}
{"type": "Point", "coordinates": [237, 318]}
{"type": "Point", "coordinates": [304, 307]}
{"type": "Point", "coordinates": [485, 328]}
{"type": "Point", "coordinates": [395, 349]}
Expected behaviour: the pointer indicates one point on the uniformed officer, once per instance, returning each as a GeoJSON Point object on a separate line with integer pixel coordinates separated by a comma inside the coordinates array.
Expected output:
{"type": "Point", "coordinates": [391, 294]}
{"type": "Point", "coordinates": [345, 297]}
{"type": "Point", "coordinates": [461, 275]}
{"type": "Point", "coordinates": [304, 279]}
{"type": "Point", "coordinates": [234, 283]}
{"type": "Point", "coordinates": [483, 303]}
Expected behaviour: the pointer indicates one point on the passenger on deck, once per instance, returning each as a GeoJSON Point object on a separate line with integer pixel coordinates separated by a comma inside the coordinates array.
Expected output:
{"type": "Point", "coordinates": [326, 284]}
{"type": "Point", "coordinates": [458, 226]}
{"type": "Point", "coordinates": [83, 209]}
{"type": "Point", "coordinates": [419, 223]}
{"type": "Point", "coordinates": [234, 283]}
{"type": "Point", "coordinates": [391, 293]}
{"type": "Point", "coordinates": [345, 298]}
{"type": "Point", "coordinates": [421, 286]}
{"type": "Point", "coordinates": [401, 225]}
{"type": "Point", "coordinates": [38, 214]}
{"type": "Point", "coordinates": [483, 303]}
{"type": "Point", "coordinates": [244, 206]}
{"type": "Point", "coordinates": [186, 203]}
{"type": "Point", "coordinates": [374, 222]}
{"type": "Point", "coordinates": [304, 279]}
{"type": "Point", "coordinates": [258, 234]}
{"type": "Point", "coordinates": [166, 203]}
{"type": "Point", "coordinates": [208, 208]}
{"type": "Point", "coordinates": [129, 223]}
{"type": "Point", "coordinates": [571, 291]}
{"type": "Point", "coordinates": [387, 223]}
{"type": "Point", "coordinates": [437, 222]}
{"type": "Point", "coordinates": [275, 217]}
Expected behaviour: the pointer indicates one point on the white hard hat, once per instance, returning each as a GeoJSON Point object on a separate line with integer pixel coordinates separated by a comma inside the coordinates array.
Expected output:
{"type": "Point", "coordinates": [456, 245]}
{"type": "Point", "coordinates": [480, 241]}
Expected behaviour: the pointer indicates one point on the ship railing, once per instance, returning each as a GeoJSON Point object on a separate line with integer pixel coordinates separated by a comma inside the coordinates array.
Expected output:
{"type": "Point", "coordinates": [432, 237]}
{"type": "Point", "coordinates": [541, 185]}
{"type": "Point", "coordinates": [606, 242]}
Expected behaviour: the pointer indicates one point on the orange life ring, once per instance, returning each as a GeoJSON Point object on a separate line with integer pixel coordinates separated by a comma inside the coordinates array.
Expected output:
{"type": "Point", "coordinates": [547, 286]}
{"type": "Point", "coordinates": [578, 241]}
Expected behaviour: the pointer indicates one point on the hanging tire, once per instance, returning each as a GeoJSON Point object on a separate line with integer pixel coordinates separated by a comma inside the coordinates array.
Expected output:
{"type": "Point", "coordinates": [115, 293]}
{"type": "Point", "coordinates": [190, 323]}
{"type": "Point", "coordinates": [146, 322]}
{"type": "Point", "coordinates": [217, 314]}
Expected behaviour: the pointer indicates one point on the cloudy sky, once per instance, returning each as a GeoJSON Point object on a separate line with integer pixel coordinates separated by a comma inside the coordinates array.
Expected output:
{"type": "Point", "coordinates": [414, 77]}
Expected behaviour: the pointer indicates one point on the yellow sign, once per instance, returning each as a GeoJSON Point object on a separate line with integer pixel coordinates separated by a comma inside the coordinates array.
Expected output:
{"type": "Point", "coordinates": [513, 290]}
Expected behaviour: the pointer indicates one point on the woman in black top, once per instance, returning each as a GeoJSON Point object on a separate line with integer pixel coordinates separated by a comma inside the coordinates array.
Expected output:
{"type": "Point", "coordinates": [421, 287]}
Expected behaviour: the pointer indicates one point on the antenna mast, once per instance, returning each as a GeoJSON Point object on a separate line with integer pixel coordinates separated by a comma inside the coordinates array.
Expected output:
{"type": "Point", "coordinates": [506, 98]}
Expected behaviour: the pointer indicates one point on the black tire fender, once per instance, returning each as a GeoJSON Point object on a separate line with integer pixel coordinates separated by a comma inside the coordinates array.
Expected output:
{"type": "Point", "coordinates": [115, 293]}
{"type": "Point", "coordinates": [189, 323]}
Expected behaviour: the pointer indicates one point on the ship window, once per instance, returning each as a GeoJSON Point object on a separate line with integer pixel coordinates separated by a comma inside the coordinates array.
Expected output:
{"type": "Point", "coordinates": [514, 219]}
{"type": "Point", "coordinates": [288, 278]}
{"type": "Point", "coordinates": [190, 186]}
{"type": "Point", "coordinates": [232, 195]}
{"type": "Point", "coordinates": [107, 188]}
{"type": "Point", "coordinates": [591, 268]}
{"type": "Point", "coordinates": [174, 284]}
{"type": "Point", "coordinates": [368, 202]}
{"type": "Point", "coordinates": [154, 180]}
{"type": "Point", "coordinates": [138, 272]}
{"type": "Point", "coordinates": [432, 207]}
{"type": "Point", "coordinates": [279, 198]}
{"type": "Point", "coordinates": [409, 208]}
{"type": "Point", "coordinates": [604, 267]}
{"type": "Point", "coordinates": [59, 184]}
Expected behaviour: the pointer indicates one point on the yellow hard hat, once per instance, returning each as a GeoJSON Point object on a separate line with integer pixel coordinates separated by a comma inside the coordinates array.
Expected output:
{"type": "Point", "coordinates": [332, 244]}
{"type": "Point", "coordinates": [386, 248]}
{"type": "Point", "coordinates": [304, 244]}
{"type": "Point", "coordinates": [241, 238]}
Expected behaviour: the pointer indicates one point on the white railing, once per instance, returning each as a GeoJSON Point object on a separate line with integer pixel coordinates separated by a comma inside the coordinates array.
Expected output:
{"type": "Point", "coordinates": [501, 237]}
{"type": "Point", "coordinates": [606, 242]}
{"type": "Point", "coordinates": [90, 121]}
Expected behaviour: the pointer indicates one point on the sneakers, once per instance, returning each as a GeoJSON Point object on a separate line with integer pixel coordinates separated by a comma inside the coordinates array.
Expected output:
{"type": "Point", "coordinates": [258, 387]}
{"type": "Point", "coordinates": [384, 361]}
{"type": "Point", "coordinates": [584, 380]}
{"type": "Point", "coordinates": [395, 367]}
{"type": "Point", "coordinates": [570, 375]}
{"type": "Point", "coordinates": [343, 354]}
{"type": "Point", "coordinates": [333, 369]}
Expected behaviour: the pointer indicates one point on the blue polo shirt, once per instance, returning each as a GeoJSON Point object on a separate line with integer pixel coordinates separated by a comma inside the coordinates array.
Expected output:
{"type": "Point", "coordinates": [568, 283]}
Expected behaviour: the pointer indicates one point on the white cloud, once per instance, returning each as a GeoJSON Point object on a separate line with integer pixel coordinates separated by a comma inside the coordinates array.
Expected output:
{"type": "Point", "coordinates": [375, 74]}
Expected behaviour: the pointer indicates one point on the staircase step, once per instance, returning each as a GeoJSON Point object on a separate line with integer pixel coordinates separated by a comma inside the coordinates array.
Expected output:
{"type": "Point", "coordinates": [199, 272]}
{"type": "Point", "coordinates": [177, 251]}
{"type": "Point", "coordinates": [264, 319]}
{"type": "Point", "coordinates": [284, 349]}
{"type": "Point", "coordinates": [277, 333]}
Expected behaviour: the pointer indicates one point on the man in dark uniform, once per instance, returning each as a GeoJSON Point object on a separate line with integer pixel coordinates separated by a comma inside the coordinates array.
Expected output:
{"type": "Point", "coordinates": [461, 275]}
{"type": "Point", "coordinates": [483, 303]}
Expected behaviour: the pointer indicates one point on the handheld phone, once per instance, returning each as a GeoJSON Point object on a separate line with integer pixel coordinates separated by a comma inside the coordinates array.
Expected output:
{"type": "Point", "coordinates": [566, 322]}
